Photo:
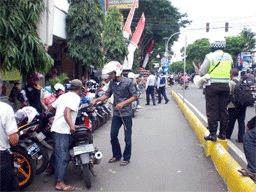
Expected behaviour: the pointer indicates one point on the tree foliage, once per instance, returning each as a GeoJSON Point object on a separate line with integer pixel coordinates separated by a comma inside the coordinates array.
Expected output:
{"type": "Point", "coordinates": [162, 20]}
{"type": "Point", "coordinates": [20, 46]}
{"type": "Point", "coordinates": [114, 44]}
{"type": "Point", "coordinates": [84, 22]}
{"type": "Point", "coordinates": [196, 52]}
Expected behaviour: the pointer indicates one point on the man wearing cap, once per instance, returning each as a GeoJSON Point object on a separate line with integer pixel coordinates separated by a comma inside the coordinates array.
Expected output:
{"type": "Point", "coordinates": [8, 135]}
{"type": "Point", "coordinates": [63, 125]}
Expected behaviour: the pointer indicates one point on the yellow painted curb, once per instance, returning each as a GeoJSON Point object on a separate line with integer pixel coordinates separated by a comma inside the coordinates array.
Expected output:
{"type": "Point", "coordinates": [218, 151]}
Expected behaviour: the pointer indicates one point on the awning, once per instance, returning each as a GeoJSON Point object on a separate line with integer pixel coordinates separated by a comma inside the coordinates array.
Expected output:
{"type": "Point", "coordinates": [10, 75]}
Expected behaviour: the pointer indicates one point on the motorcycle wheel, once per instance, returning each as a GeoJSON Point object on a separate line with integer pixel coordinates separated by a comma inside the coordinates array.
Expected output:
{"type": "Point", "coordinates": [26, 171]}
{"type": "Point", "coordinates": [42, 163]}
{"type": "Point", "coordinates": [86, 175]}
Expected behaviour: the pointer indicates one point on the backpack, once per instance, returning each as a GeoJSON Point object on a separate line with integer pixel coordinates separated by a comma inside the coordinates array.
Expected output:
{"type": "Point", "coordinates": [242, 94]}
{"type": "Point", "coordinates": [162, 80]}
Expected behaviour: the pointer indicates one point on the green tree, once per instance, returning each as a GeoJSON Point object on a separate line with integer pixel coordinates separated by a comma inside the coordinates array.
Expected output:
{"type": "Point", "coordinates": [234, 45]}
{"type": "Point", "coordinates": [114, 44]}
{"type": "Point", "coordinates": [197, 51]}
{"type": "Point", "coordinates": [249, 39]}
{"type": "Point", "coordinates": [84, 28]}
{"type": "Point", "coordinates": [20, 46]}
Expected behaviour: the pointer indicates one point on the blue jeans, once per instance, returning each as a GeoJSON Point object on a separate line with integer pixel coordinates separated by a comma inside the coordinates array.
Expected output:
{"type": "Point", "coordinates": [61, 154]}
{"type": "Point", "coordinates": [115, 126]}
{"type": "Point", "coordinates": [249, 144]}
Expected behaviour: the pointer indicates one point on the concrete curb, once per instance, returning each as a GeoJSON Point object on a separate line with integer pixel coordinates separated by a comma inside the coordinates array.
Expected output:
{"type": "Point", "coordinates": [218, 151]}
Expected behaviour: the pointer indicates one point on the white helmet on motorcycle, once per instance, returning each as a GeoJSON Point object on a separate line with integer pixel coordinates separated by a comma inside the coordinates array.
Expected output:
{"type": "Point", "coordinates": [59, 86]}
{"type": "Point", "coordinates": [25, 115]}
{"type": "Point", "coordinates": [113, 66]}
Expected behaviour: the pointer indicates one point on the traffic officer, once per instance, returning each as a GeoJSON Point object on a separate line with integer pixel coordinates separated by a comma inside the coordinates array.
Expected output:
{"type": "Point", "coordinates": [217, 92]}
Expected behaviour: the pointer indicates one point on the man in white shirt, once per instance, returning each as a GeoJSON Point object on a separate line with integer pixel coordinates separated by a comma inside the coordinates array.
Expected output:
{"type": "Point", "coordinates": [150, 88]}
{"type": "Point", "coordinates": [8, 135]}
{"type": "Point", "coordinates": [63, 125]}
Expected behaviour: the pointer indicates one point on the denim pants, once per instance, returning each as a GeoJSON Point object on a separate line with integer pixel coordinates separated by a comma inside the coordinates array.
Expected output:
{"type": "Point", "coordinates": [61, 154]}
{"type": "Point", "coordinates": [249, 144]}
{"type": "Point", "coordinates": [115, 126]}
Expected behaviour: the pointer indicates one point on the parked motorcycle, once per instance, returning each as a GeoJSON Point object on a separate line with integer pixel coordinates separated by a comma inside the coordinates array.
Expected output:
{"type": "Point", "coordinates": [253, 90]}
{"type": "Point", "coordinates": [32, 139]}
{"type": "Point", "coordinates": [84, 154]}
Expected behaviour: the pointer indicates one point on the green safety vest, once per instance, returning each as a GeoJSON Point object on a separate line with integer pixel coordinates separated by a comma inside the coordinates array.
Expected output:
{"type": "Point", "coordinates": [222, 72]}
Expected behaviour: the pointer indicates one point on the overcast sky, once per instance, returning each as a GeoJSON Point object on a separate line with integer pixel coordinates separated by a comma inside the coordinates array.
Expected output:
{"type": "Point", "coordinates": [238, 14]}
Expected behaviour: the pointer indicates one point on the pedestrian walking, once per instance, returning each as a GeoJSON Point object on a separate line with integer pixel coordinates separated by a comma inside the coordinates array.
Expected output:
{"type": "Point", "coordinates": [8, 135]}
{"type": "Point", "coordinates": [124, 94]}
{"type": "Point", "coordinates": [217, 93]}
{"type": "Point", "coordinates": [63, 125]}
{"type": "Point", "coordinates": [249, 144]}
{"type": "Point", "coordinates": [150, 88]}
{"type": "Point", "coordinates": [161, 86]}
{"type": "Point", "coordinates": [235, 112]}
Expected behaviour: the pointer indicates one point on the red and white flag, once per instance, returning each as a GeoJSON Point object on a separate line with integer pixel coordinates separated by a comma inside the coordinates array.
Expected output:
{"type": "Point", "coordinates": [128, 62]}
{"type": "Point", "coordinates": [145, 62]}
{"type": "Point", "coordinates": [127, 27]}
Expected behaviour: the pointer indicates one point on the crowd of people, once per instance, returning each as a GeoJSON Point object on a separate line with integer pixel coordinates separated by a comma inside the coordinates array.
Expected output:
{"type": "Point", "coordinates": [120, 92]}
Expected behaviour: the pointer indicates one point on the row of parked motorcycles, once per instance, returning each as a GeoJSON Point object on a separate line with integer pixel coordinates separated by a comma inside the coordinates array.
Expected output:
{"type": "Point", "coordinates": [31, 155]}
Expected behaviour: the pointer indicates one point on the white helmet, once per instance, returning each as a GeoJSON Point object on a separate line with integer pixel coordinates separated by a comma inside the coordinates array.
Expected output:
{"type": "Point", "coordinates": [131, 75]}
{"type": "Point", "coordinates": [59, 86]}
{"type": "Point", "coordinates": [113, 66]}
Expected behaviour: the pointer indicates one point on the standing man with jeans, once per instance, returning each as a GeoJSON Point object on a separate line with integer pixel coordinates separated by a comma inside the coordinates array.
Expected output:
{"type": "Point", "coordinates": [124, 94]}
{"type": "Point", "coordinates": [63, 125]}
{"type": "Point", "coordinates": [8, 135]}
{"type": "Point", "coordinates": [217, 92]}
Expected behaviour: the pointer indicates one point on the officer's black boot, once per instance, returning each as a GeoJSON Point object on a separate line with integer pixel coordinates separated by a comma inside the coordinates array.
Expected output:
{"type": "Point", "coordinates": [223, 128]}
{"type": "Point", "coordinates": [213, 127]}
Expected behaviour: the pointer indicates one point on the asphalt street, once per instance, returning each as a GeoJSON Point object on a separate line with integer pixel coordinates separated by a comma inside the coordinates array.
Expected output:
{"type": "Point", "coordinates": [166, 156]}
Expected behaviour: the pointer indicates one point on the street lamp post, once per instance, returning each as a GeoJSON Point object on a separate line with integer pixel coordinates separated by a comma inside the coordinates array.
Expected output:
{"type": "Point", "coordinates": [167, 42]}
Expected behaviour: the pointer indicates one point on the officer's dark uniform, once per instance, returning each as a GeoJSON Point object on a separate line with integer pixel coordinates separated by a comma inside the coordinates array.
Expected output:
{"type": "Point", "coordinates": [217, 90]}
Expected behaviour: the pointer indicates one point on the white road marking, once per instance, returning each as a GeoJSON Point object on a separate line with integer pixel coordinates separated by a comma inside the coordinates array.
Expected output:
{"type": "Point", "coordinates": [230, 143]}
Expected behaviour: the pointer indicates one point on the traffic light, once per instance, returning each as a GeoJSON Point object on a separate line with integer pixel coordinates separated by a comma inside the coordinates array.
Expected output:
{"type": "Point", "coordinates": [226, 27]}
{"type": "Point", "coordinates": [207, 27]}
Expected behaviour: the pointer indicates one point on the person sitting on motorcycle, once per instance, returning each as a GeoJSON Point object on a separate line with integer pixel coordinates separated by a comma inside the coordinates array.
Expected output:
{"type": "Point", "coordinates": [34, 92]}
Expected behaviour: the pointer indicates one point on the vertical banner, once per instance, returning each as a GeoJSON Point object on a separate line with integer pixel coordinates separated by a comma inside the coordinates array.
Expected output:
{"type": "Point", "coordinates": [145, 62]}
{"type": "Point", "coordinates": [127, 27]}
{"type": "Point", "coordinates": [128, 62]}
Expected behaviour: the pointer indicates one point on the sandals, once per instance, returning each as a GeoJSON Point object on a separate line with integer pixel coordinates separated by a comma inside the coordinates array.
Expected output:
{"type": "Point", "coordinates": [124, 163]}
{"type": "Point", "coordinates": [66, 188]}
{"type": "Point", "coordinates": [113, 160]}
{"type": "Point", "coordinates": [247, 173]}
